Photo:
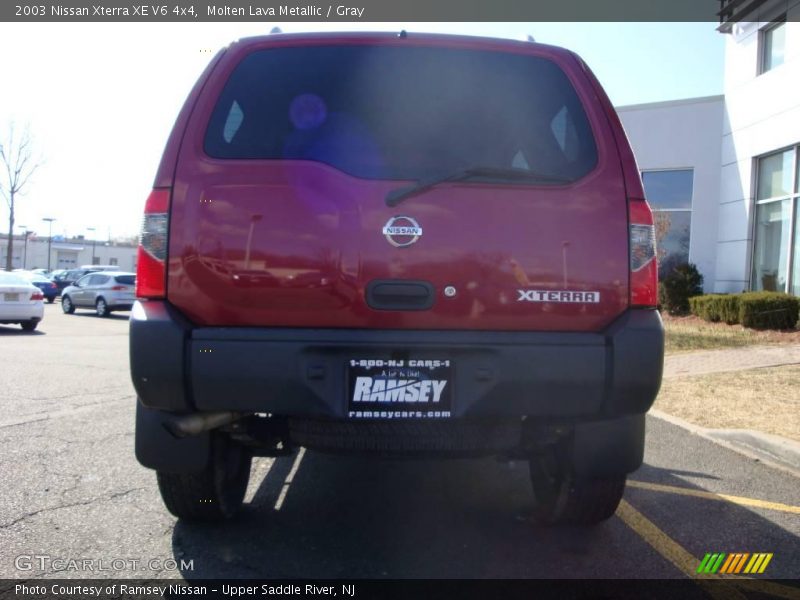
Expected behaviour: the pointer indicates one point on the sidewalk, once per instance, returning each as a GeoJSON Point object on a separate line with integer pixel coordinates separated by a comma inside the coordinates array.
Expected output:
{"type": "Point", "coordinates": [729, 359]}
{"type": "Point", "coordinates": [721, 407]}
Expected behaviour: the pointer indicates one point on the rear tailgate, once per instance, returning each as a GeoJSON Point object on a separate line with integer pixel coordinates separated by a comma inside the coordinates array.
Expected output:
{"type": "Point", "coordinates": [291, 231]}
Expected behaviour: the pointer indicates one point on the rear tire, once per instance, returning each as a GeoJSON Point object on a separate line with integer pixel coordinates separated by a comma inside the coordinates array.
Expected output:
{"type": "Point", "coordinates": [67, 306]}
{"type": "Point", "coordinates": [51, 299]}
{"type": "Point", "coordinates": [213, 494]}
{"type": "Point", "coordinates": [562, 498]}
{"type": "Point", "coordinates": [29, 325]}
{"type": "Point", "coordinates": [101, 307]}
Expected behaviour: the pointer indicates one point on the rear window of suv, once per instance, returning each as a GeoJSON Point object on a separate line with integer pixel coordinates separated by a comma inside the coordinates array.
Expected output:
{"type": "Point", "coordinates": [403, 113]}
{"type": "Point", "coordinates": [125, 279]}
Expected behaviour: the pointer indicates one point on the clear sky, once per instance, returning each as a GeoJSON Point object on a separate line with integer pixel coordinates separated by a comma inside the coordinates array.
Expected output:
{"type": "Point", "coordinates": [100, 99]}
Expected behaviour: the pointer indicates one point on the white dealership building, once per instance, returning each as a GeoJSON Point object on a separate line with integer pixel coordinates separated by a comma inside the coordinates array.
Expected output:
{"type": "Point", "coordinates": [722, 172]}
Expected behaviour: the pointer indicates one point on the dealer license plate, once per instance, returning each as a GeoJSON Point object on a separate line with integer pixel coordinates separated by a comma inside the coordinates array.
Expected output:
{"type": "Point", "coordinates": [400, 389]}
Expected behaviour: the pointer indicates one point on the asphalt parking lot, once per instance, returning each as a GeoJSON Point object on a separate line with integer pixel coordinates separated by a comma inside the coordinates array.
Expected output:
{"type": "Point", "coordinates": [72, 489]}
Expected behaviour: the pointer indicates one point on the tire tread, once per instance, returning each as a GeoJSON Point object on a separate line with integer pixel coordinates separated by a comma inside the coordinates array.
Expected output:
{"type": "Point", "coordinates": [209, 495]}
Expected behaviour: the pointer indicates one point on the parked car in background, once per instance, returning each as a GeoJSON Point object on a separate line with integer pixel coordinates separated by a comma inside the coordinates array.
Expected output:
{"type": "Point", "coordinates": [48, 287]}
{"type": "Point", "coordinates": [100, 267]}
{"type": "Point", "coordinates": [67, 278]}
{"type": "Point", "coordinates": [103, 291]}
{"type": "Point", "coordinates": [20, 301]}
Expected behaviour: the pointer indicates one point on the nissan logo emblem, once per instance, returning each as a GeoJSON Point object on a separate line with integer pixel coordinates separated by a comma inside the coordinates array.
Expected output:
{"type": "Point", "coordinates": [402, 231]}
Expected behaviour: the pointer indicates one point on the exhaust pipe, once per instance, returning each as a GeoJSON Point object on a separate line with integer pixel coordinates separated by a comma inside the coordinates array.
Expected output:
{"type": "Point", "coordinates": [196, 423]}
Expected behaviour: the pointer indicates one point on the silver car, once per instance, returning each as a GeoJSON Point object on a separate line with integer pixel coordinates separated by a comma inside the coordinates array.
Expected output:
{"type": "Point", "coordinates": [102, 291]}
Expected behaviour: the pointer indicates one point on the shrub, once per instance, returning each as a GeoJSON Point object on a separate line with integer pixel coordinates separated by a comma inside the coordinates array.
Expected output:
{"type": "Point", "coordinates": [768, 310]}
{"type": "Point", "coordinates": [727, 307]}
{"type": "Point", "coordinates": [716, 307]}
{"type": "Point", "coordinates": [757, 310]}
{"type": "Point", "coordinates": [681, 283]}
{"type": "Point", "coordinates": [701, 306]}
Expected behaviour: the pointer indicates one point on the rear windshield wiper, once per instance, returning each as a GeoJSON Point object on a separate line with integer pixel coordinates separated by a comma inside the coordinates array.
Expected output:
{"type": "Point", "coordinates": [394, 197]}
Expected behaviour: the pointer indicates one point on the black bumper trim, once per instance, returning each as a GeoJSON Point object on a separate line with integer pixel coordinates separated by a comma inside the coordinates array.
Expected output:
{"type": "Point", "coordinates": [301, 372]}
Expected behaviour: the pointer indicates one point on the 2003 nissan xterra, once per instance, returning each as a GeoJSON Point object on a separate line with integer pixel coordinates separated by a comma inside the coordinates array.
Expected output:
{"type": "Point", "coordinates": [396, 245]}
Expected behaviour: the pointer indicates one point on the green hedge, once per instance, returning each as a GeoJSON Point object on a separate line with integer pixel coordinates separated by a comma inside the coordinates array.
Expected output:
{"type": "Point", "coordinates": [757, 310]}
{"type": "Point", "coordinates": [716, 307]}
{"type": "Point", "coordinates": [708, 307]}
{"type": "Point", "coordinates": [768, 310]}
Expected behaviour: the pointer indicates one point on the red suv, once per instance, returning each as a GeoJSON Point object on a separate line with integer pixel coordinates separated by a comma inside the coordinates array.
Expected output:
{"type": "Point", "coordinates": [396, 245]}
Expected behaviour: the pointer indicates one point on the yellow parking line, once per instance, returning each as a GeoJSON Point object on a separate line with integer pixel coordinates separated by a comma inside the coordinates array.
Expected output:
{"type": "Point", "coordinates": [740, 500]}
{"type": "Point", "coordinates": [719, 588]}
{"type": "Point", "coordinates": [675, 553]}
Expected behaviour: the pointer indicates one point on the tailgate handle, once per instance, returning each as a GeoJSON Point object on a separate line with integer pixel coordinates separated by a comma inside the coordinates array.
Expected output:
{"type": "Point", "coordinates": [399, 294]}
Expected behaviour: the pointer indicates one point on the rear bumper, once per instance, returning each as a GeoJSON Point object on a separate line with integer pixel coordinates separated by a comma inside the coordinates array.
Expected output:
{"type": "Point", "coordinates": [302, 372]}
{"type": "Point", "coordinates": [118, 301]}
{"type": "Point", "coordinates": [18, 313]}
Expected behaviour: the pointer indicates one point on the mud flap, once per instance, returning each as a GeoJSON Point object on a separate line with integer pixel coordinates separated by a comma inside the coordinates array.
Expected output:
{"type": "Point", "coordinates": [608, 448]}
{"type": "Point", "coordinates": [158, 449]}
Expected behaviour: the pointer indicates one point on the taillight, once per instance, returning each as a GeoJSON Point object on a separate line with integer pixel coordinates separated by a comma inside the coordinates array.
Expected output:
{"type": "Point", "coordinates": [644, 269]}
{"type": "Point", "coordinates": [37, 296]}
{"type": "Point", "coordinates": [152, 254]}
{"type": "Point", "coordinates": [118, 288]}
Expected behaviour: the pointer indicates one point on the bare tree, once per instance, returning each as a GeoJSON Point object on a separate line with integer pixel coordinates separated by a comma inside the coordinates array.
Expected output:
{"type": "Point", "coordinates": [18, 164]}
{"type": "Point", "coordinates": [662, 223]}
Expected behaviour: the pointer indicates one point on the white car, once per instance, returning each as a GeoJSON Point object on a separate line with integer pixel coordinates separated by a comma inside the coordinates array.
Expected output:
{"type": "Point", "coordinates": [20, 301]}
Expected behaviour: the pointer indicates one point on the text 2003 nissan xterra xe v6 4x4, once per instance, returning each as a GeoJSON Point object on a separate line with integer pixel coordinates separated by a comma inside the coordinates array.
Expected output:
{"type": "Point", "coordinates": [396, 245]}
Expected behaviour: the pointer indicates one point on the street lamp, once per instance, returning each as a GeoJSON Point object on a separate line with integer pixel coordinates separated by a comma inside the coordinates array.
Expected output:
{"type": "Point", "coordinates": [49, 238]}
{"type": "Point", "coordinates": [94, 241]}
{"type": "Point", "coordinates": [25, 251]}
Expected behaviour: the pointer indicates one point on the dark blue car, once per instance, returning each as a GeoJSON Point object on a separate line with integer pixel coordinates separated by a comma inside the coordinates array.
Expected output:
{"type": "Point", "coordinates": [49, 289]}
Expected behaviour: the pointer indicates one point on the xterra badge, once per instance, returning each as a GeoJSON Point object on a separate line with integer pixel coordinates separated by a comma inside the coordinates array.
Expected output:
{"type": "Point", "coordinates": [558, 296]}
{"type": "Point", "coordinates": [402, 231]}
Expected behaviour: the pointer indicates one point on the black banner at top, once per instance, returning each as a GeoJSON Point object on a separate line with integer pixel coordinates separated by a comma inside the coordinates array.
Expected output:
{"type": "Point", "coordinates": [358, 10]}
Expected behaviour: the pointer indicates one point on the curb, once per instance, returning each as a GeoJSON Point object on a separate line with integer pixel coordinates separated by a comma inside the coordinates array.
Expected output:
{"type": "Point", "coordinates": [772, 450]}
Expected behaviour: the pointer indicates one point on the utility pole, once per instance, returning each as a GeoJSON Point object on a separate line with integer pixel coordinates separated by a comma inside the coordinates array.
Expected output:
{"type": "Point", "coordinates": [49, 239]}
{"type": "Point", "coordinates": [94, 241]}
{"type": "Point", "coordinates": [25, 251]}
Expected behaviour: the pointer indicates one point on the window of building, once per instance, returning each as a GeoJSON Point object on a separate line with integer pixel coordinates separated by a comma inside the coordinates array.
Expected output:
{"type": "Point", "coordinates": [112, 261]}
{"type": "Point", "coordinates": [669, 193]}
{"type": "Point", "coordinates": [773, 43]}
{"type": "Point", "coordinates": [777, 240]}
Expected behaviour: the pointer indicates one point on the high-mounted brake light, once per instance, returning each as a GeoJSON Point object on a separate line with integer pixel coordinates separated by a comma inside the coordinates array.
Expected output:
{"type": "Point", "coordinates": [152, 254]}
{"type": "Point", "coordinates": [644, 269]}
